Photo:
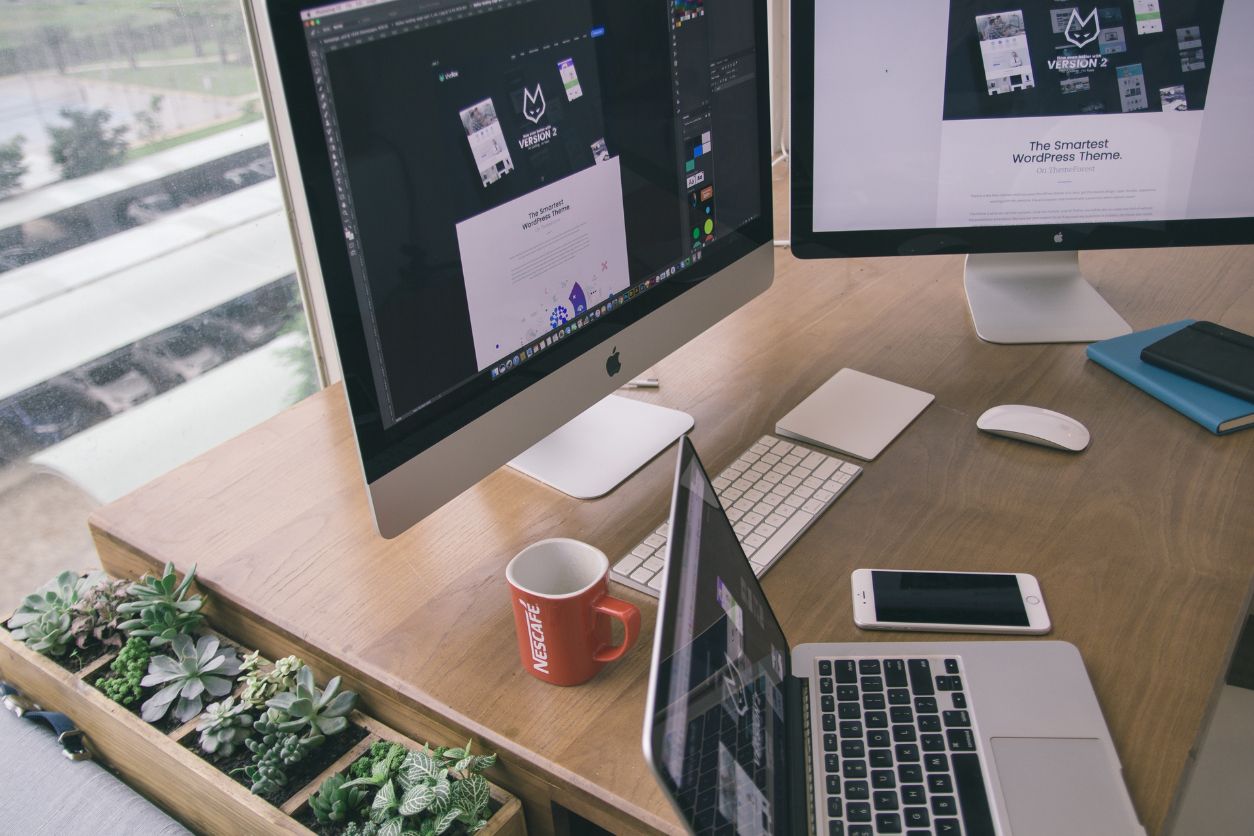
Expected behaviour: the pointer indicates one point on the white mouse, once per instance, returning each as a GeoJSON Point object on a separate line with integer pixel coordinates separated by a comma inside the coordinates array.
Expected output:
{"type": "Point", "coordinates": [1035, 425]}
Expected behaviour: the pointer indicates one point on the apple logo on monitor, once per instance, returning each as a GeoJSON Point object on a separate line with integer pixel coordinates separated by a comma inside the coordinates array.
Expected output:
{"type": "Point", "coordinates": [1057, 237]}
{"type": "Point", "coordinates": [612, 366]}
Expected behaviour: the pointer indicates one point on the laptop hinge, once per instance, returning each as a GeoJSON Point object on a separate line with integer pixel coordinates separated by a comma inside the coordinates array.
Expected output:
{"type": "Point", "coordinates": [800, 804]}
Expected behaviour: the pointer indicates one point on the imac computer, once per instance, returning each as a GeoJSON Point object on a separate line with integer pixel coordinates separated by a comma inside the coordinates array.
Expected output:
{"type": "Point", "coordinates": [1021, 132]}
{"type": "Point", "coordinates": [515, 206]}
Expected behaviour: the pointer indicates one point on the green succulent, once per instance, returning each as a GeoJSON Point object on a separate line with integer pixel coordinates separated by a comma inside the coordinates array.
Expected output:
{"type": "Point", "coordinates": [161, 609]}
{"type": "Point", "coordinates": [355, 828]}
{"type": "Point", "coordinates": [260, 686]}
{"type": "Point", "coordinates": [333, 802]}
{"type": "Point", "coordinates": [43, 619]}
{"type": "Point", "coordinates": [95, 617]}
{"type": "Point", "coordinates": [324, 712]}
{"type": "Point", "coordinates": [224, 726]}
{"type": "Point", "coordinates": [193, 671]}
{"type": "Point", "coordinates": [273, 750]}
{"type": "Point", "coordinates": [128, 669]}
{"type": "Point", "coordinates": [382, 750]}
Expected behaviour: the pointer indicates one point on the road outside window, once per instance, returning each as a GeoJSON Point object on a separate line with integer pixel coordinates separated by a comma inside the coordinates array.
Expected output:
{"type": "Point", "coordinates": [149, 308]}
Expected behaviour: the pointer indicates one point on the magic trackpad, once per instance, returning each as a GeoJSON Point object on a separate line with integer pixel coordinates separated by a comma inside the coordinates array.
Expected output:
{"type": "Point", "coordinates": [1061, 785]}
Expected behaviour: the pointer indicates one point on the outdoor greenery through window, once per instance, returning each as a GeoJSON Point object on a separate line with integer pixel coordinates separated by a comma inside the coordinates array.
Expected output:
{"type": "Point", "coordinates": [148, 304]}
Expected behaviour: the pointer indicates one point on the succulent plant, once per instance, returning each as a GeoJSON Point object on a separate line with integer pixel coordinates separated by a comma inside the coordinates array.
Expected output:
{"type": "Point", "coordinates": [224, 726]}
{"type": "Point", "coordinates": [128, 669]}
{"type": "Point", "coordinates": [324, 712]}
{"type": "Point", "coordinates": [94, 618]}
{"type": "Point", "coordinates": [355, 828]}
{"type": "Point", "coordinates": [333, 802]}
{"type": "Point", "coordinates": [160, 608]}
{"type": "Point", "coordinates": [193, 671]}
{"type": "Point", "coordinates": [273, 750]}
{"type": "Point", "coordinates": [260, 686]}
{"type": "Point", "coordinates": [43, 619]}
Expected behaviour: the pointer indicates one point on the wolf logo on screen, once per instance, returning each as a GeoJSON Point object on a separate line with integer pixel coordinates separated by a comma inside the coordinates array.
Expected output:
{"type": "Point", "coordinates": [1082, 31]}
{"type": "Point", "coordinates": [533, 104]}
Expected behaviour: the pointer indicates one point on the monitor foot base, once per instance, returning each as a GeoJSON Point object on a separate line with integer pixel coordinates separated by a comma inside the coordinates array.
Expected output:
{"type": "Point", "coordinates": [1037, 298]}
{"type": "Point", "coordinates": [599, 448]}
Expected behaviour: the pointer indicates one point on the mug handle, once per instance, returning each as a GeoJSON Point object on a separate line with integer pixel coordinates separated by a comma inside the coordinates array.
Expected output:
{"type": "Point", "coordinates": [628, 615]}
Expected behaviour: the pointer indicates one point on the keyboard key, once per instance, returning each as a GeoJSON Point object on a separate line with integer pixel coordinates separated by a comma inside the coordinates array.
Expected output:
{"type": "Point", "coordinates": [929, 723]}
{"type": "Point", "coordinates": [833, 788]}
{"type": "Point", "coordinates": [829, 722]}
{"type": "Point", "coordinates": [926, 705]}
{"type": "Point", "coordinates": [846, 692]}
{"type": "Point", "coordinates": [936, 763]}
{"type": "Point", "coordinates": [960, 740]}
{"type": "Point", "coordinates": [947, 827]}
{"type": "Point", "coordinates": [960, 719]}
{"type": "Point", "coordinates": [872, 683]}
{"type": "Point", "coordinates": [873, 702]}
{"type": "Point", "coordinates": [827, 702]}
{"type": "Point", "coordinates": [831, 762]}
{"type": "Point", "coordinates": [944, 805]}
{"type": "Point", "coordinates": [627, 565]}
{"type": "Point", "coordinates": [949, 683]}
{"type": "Point", "coordinates": [901, 714]}
{"type": "Point", "coordinates": [888, 822]}
{"type": "Point", "coordinates": [850, 728]}
{"type": "Point", "coordinates": [861, 830]}
{"type": "Point", "coordinates": [829, 743]}
{"type": "Point", "coordinates": [876, 720]}
{"type": "Point", "coordinates": [907, 752]}
{"type": "Point", "coordinates": [916, 816]}
{"type": "Point", "coordinates": [857, 791]}
{"type": "Point", "coordinates": [910, 773]}
{"type": "Point", "coordinates": [895, 673]}
{"type": "Point", "coordinates": [920, 677]}
{"type": "Point", "coordinates": [853, 748]}
{"type": "Point", "coordinates": [899, 696]}
{"type": "Point", "coordinates": [904, 734]}
{"type": "Point", "coordinates": [884, 800]}
{"type": "Point", "coordinates": [825, 667]}
{"type": "Point", "coordinates": [825, 685]}
{"type": "Point", "coordinates": [857, 811]}
{"type": "Point", "coordinates": [850, 711]}
{"type": "Point", "coordinates": [960, 700]}
{"type": "Point", "coordinates": [868, 666]}
{"type": "Point", "coordinates": [836, 828]}
{"type": "Point", "coordinates": [883, 779]}
{"type": "Point", "coordinates": [881, 758]}
{"type": "Point", "coordinates": [879, 738]}
{"type": "Point", "coordinates": [854, 768]}
{"type": "Point", "coordinates": [940, 784]}
{"type": "Point", "coordinates": [951, 666]}
{"type": "Point", "coordinates": [933, 743]}
{"type": "Point", "coordinates": [834, 808]}
{"type": "Point", "coordinates": [913, 794]}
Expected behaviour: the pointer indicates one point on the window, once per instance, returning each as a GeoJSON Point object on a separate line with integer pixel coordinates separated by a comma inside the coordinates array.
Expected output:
{"type": "Point", "coordinates": [149, 307]}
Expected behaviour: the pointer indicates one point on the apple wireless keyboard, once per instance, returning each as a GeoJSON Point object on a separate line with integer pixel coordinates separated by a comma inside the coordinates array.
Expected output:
{"type": "Point", "coordinates": [771, 493]}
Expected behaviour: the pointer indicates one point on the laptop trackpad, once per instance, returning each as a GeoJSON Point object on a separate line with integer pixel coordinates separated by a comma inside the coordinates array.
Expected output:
{"type": "Point", "coordinates": [1060, 785]}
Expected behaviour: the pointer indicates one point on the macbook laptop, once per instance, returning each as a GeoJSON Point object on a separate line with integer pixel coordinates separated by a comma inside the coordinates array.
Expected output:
{"type": "Point", "coordinates": [748, 736]}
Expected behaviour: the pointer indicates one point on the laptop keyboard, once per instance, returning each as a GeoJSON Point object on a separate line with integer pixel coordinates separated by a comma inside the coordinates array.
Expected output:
{"type": "Point", "coordinates": [899, 751]}
{"type": "Point", "coordinates": [771, 494]}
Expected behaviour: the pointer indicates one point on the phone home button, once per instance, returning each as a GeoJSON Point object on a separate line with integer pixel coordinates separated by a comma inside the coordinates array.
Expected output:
{"type": "Point", "coordinates": [1032, 599]}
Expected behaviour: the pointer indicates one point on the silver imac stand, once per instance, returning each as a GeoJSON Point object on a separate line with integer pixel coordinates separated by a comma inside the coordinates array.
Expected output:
{"type": "Point", "coordinates": [596, 450]}
{"type": "Point", "coordinates": [1037, 298]}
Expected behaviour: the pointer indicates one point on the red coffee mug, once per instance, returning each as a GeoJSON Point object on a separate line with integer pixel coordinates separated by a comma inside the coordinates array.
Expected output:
{"type": "Point", "coordinates": [562, 611]}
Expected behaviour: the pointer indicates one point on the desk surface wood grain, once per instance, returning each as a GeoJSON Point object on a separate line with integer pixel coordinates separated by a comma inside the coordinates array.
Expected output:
{"type": "Point", "coordinates": [1143, 544]}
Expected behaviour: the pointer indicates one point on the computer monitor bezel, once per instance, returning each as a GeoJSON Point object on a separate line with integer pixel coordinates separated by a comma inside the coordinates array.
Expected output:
{"type": "Point", "coordinates": [807, 242]}
{"type": "Point", "coordinates": [420, 463]}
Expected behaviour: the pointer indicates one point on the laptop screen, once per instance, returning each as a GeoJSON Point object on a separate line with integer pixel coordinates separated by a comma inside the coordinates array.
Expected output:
{"type": "Point", "coordinates": [715, 734]}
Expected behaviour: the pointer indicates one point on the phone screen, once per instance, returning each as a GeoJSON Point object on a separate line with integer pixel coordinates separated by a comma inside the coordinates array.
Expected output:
{"type": "Point", "coordinates": [948, 598]}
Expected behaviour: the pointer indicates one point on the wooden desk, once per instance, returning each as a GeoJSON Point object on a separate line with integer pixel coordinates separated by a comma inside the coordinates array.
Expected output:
{"type": "Point", "coordinates": [1144, 544]}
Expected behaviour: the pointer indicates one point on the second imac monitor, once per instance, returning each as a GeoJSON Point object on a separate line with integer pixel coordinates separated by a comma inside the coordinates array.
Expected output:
{"type": "Point", "coordinates": [1020, 133]}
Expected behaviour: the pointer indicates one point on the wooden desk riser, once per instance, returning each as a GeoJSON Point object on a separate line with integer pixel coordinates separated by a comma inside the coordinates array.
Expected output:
{"type": "Point", "coordinates": [1143, 544]}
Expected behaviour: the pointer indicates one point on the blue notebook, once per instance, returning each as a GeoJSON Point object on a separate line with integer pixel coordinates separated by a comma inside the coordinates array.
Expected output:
{"type": "Point", "coordinates": [1214, 410]}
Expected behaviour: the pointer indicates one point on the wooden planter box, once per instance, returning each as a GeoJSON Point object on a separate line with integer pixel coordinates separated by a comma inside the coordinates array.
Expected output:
{"type": "Point", "coordinates": [158, 765]}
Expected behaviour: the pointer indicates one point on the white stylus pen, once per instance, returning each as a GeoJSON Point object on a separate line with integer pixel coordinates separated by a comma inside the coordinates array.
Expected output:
{"type": "Point", "coordinates": [642, 383]}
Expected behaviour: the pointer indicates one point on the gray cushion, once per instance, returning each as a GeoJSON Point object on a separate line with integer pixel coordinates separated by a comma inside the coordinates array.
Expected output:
{"type": "Point", "coordinates": [42, 792]}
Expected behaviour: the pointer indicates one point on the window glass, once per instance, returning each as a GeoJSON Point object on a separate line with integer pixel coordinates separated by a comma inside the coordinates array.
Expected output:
{"type": "Point", "coordinates": [149, 308]}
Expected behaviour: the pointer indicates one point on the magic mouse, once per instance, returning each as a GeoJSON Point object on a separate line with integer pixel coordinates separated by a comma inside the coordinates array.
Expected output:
{"type": "Point", "coordinates": [1035, 425]}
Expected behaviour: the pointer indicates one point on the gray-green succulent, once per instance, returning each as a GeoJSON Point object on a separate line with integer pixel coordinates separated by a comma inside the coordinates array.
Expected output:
{"type": "Point", "coordinates": [95, 618]}
{"type": "Point", "coordinates": [161, 609]}
{"type": "Point", "coordinates": [44, 619]}
{"type": "Point", "coordinates": [195, 669]}
{"type": "Point", "coordinates": [224, 726]}
{"type": "Point", "coordinates": [316, 713]}
{"type": "Point", "coordinates": [260, 685]}
{"type": "Point", "coordinates": [333, 802]}
{"type": "Point", "coordinates": [274, 751]}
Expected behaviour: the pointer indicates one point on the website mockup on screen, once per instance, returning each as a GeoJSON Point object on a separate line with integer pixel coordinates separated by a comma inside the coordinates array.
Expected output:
{"type": "Point", "coordinates": [938, 115]}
